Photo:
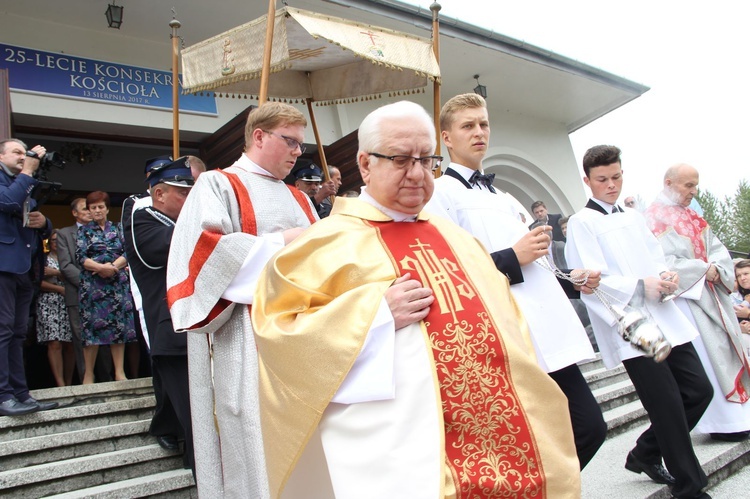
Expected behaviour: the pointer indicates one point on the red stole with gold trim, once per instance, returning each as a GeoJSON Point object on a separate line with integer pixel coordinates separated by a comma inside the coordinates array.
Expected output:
{"type": "Point", "coordinates": [489, 444]}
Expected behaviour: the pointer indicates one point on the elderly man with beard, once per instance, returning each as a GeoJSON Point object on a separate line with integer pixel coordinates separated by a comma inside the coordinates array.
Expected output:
{"type": "Point", "coordinates": [393, 360]}
{"type": "Point", "coordinates": [706, 282]}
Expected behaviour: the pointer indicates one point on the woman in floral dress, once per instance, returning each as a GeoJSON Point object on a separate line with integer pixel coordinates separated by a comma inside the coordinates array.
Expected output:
{"type": "Point", "coordinates": [104, 294]}
{"type": "Point", "coordinates": [52, 323]}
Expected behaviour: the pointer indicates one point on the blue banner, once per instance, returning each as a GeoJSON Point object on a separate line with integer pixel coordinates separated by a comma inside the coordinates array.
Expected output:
{"type": "Point", "coordinates": [37, 71]}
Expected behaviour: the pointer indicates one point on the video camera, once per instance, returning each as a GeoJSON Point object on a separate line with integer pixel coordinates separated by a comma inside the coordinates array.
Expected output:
{"type": "Point", "coordinates": [44, 190]}
{"type": "Point", "coordinates": [50, 159]}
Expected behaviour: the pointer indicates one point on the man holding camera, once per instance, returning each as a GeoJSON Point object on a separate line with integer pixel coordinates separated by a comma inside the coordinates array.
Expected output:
{"type": "Point", "coordinates": [19, 221]}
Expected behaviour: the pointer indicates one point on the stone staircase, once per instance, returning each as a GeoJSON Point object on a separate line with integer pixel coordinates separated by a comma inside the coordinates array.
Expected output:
{"type": "Point", "coordinates": [96, 444]}
{"type": "Point", "coordinates": [606, 476]}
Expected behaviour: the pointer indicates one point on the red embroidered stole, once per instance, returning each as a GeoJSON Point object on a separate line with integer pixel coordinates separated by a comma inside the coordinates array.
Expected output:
{"type": "Point", "coordinates": [488, 440]}
{"type": "Point", "coordinates": [684, 221]}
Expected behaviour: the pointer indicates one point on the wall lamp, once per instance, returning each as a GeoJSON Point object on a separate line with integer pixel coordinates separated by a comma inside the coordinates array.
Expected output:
{"type": "Point", "coordinates": [480, 89]}
{"type": "Point", "coordinates": [114, 15]}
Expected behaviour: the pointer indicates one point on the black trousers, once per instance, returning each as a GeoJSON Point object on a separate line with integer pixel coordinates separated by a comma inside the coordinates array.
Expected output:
{"type": "Point", "coordinates": [675, 393]}
{"type": "Point", "coordinates": [16, 292]}
{"type": "Point", "coordinates": [172, 415]}
{"type": "Point", "coordinates": [589, 428]}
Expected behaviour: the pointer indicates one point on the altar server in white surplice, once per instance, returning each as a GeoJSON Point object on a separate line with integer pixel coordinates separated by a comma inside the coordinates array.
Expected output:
{"type": "Point", "coordinates": [674, 392]}
{"type": "Point", "coordinates": [232, 223]}
{"type": "Point", "coordinates": [468, 198]}
{"type": "Point", "coordinates": [706, 281]}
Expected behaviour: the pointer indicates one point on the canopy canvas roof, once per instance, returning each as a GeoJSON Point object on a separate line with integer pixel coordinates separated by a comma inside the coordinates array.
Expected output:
{"type": "Point", "coordinates": [314, 57]}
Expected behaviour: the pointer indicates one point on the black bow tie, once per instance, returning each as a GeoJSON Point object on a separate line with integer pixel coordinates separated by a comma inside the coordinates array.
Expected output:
{"type": "Point", "coordinates": [485, 180]}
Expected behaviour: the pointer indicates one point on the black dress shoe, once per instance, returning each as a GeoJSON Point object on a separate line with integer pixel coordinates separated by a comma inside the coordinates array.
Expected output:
{"type": "Point", "coordinates": [13, 407]}
{"type": "Point", "coordinates": [168, 442]}
{"type": "Point", "coordinates": [731, 437]}
{"type": "Point", "coordinates": [657, 472]}
{"type": "Point", "coordinates": [43, 406]}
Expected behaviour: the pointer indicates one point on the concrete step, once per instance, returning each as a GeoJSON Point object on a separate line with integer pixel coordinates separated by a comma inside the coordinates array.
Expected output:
{"type": "Point", "coordinates": [96, 393]}
{"type": "Point", "coordinates": [74, 418]}
{"type": "Point", "coordinates": [620, 419]}
{"type": "Point", "coordinates": [70, 444]}
{"type": "Point", "coordinates": [734, 485]}
{"type": "Point", "coordinates": [589, 365]}
{"type": "Point", "coordinates": [175, 483]}
{"type": "Point", "coordinates": [88, 471]}
{"type": "Point", "coordinates": [615, 395]}
{"type": "Point", "coordinates": [600, 378]}
{"type": "Point", "coordinates": [606, 472]}
{"type": "Point", "coordinates": [95, 445]}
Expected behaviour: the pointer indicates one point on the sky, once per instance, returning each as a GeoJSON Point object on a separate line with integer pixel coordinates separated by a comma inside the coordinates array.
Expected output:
{"type": "Point", "coordinates": [693, 55]}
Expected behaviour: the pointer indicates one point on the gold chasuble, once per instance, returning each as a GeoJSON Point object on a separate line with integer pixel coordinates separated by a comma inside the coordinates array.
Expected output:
{"type": "Point", "coordinates": [506, 429]}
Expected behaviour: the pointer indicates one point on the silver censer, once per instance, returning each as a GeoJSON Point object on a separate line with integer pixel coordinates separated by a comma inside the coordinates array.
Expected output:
{"type": "Point", "coordinates": [639, 329]}
{"type": "Point", "coordinates": [635, 325]}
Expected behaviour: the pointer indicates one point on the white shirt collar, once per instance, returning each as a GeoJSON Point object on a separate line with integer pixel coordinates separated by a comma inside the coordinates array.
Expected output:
{"type": "Point", "coordinates": [251, 166]}
{"type": "Point", "coordinates": [466, 173]}
{"type": "Point", "coordinates": [462, 170]}
{"type": "Point", "coordinates": [395, 215]}
{"type": "Point", "coordinates": [604, 205]}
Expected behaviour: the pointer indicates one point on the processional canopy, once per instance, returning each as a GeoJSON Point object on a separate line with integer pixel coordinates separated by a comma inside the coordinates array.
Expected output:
{"type": "Point", "coordinates": [314, 56]}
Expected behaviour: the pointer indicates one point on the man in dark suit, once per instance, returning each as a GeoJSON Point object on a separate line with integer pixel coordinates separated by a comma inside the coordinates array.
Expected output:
{"type": "Point", "coordinates": [19, 223]}
{"type": "Point", "coordinates": [543, 218]}
{"type": "Point", "coordinates": [71, 269]}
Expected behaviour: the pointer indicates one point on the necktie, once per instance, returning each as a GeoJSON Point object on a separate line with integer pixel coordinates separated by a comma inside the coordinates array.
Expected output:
{"type": "Point", "coordinates": [485, 180]}
{"type": "Point", "coordinates": [616, 208]}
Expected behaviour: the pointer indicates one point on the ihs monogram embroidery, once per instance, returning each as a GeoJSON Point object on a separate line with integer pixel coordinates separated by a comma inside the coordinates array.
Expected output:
{"type": "Point", "coordinates": [489, 445]}
{"type": "Point", "coordinates": [440, 274]}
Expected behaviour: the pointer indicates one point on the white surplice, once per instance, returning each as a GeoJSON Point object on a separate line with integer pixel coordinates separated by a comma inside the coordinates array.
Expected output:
{"type": "Point", "coordinates": [556, 331]}
{"type": "Point", "coordinates": [221, 349]}
{"type": "Point", "coordinates": [622, 246]}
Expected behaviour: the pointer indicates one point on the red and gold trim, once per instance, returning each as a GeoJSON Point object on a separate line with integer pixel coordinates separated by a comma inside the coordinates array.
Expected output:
{"type": "Point", "coordinates": [489, 443]}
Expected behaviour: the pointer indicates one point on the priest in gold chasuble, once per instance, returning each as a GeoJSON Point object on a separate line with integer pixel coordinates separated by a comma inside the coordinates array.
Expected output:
{"type": "Point", "coordinates": [393, 361]}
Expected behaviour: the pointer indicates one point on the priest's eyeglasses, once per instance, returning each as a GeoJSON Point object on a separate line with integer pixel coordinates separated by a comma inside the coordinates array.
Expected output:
{"type": "Point", "coordinates": [291, 142]}
{"type": "Point", "coordinates": [403, 162]}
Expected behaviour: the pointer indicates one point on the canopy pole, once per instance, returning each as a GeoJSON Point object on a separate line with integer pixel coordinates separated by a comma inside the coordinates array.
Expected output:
{"type": "Point", "coordinates": [174, 24]}
{"type": "Point", "coordinates": [265, 72]}
{"type": "Point", "coordinates": [321, 152]}
{"type": "Point", "coordinates": [435, 8]}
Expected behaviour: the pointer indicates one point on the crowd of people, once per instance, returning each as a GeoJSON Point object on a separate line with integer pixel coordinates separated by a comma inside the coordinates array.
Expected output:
{"type": "Point", "coordinates": [322, 345]}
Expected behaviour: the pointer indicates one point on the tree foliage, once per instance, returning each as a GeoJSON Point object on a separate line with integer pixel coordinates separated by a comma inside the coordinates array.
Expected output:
{"type": "Point", "coordinates": [729, 218]}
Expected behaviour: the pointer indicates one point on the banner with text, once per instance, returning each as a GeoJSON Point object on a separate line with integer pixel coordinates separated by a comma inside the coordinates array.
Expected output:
{"type": "Point", "coordinates": [37, 71]}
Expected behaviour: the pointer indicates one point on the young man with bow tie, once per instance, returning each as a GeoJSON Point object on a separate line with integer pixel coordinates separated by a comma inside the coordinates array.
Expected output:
{"type": "Point", "coordinates": [491, 216]}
